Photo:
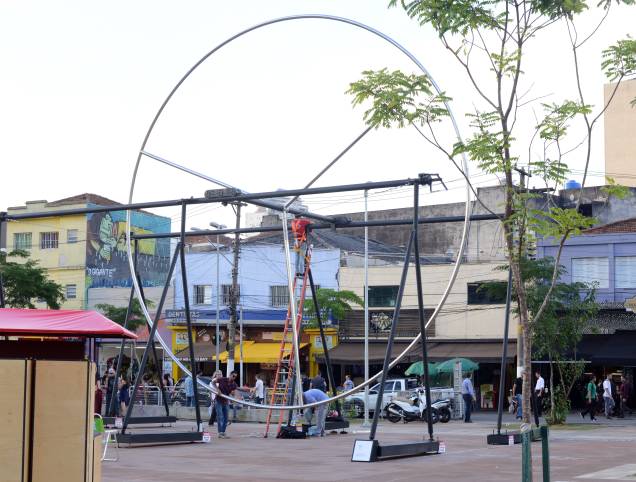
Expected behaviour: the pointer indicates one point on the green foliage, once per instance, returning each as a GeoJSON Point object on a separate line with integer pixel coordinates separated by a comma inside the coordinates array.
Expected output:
{"type": "Point", "coordinates": [561, 408]}
{"type": "Point", "coordinates": [555, 9]}
{"type": "Point", "coordinates": [555, 123]}
{"type": "Point", "coordinates": [619, 60]}
{"type": "Point", "coordinates": [24, 282]}
{"type": "Point", "coordinates": [338, 303]}
{"type": "Point", "coordinates": [453, 16]}
{"type": "Point", "coordinates": [398, 99]}
{"type": "Point", "coordinates": [486, 146]}
{"type": "Point", "coordinates": [559, 222]}
{"type": "Point", "coordinates": [611, 189]}
{"type": "Point", "coordinates": [118, 314]}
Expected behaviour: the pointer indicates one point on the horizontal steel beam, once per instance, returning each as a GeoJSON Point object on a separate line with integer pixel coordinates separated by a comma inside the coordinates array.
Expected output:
{"type": "Point", "coordinates": [340, 224]}
{"type": "Point", "coordinates": [254, 198]}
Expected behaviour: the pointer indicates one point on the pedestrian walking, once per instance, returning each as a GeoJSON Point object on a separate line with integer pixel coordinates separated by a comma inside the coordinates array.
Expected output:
{"type": "Point", "coordinates": [608, 399]}
{"type": "Point", "coordinates": [189, 391]}
{"type": "Point", "coordinates": [468, 394]}
{"type": "Point", "coordinates": [348, 383]}
{"type": "Point", "coordinates": [311, 396]}
{"type": "Point", "coordinates": [99, 396]}
{"type": "Point", "coordinates": [590, 398]}
{"type": "Point", "coordinates": [539, 390]}
{"type": "Point", "coordinates": [225, 386]}
{"type": "Point", "coordinates": [259, 390]}
{"type": "Point", "coordinates": [517, 394]}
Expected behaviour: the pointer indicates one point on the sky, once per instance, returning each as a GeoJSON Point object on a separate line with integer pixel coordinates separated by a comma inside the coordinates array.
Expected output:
{"type": "Point", "coordinates": [81, 82]}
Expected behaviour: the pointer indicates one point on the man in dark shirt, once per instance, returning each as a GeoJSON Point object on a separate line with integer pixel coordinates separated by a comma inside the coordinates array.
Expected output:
{"type": "Point", "coordinates": [319, 383]}
{"type": "Point", "coordinates": [625, 393]}
{"type": "Point", "coordinates": [225, 386]}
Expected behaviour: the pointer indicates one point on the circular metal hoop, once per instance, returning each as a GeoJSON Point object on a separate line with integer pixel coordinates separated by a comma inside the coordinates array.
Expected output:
{"type": "Point", "coordinates": [460, 254]}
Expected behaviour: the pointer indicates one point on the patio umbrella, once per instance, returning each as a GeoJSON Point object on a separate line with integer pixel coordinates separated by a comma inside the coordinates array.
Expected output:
{"type": "Point", "coordinates": [417, 368]}
{"type": "Point", "coordinates": [448, 366]}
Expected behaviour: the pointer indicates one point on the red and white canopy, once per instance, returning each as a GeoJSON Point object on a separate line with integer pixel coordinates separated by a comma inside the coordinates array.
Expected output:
{"type": "Point", "coordinates": [16, 321]}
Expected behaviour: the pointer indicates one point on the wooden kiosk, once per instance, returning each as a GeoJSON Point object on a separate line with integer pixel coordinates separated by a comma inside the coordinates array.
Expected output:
{"type": "Point", "coordinates": [47, 375]}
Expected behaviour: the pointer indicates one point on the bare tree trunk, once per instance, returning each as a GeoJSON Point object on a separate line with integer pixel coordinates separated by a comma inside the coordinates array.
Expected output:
{"type": "Point", "coordinates": [551, 388]}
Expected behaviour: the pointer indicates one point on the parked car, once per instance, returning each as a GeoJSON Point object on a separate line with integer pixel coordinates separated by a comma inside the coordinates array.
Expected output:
{"type": "Point", "coordinates": [354, 404]}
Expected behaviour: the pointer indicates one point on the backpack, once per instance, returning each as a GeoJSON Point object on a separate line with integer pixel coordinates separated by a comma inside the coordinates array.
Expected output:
{"type": "Point", "coordinates": [290, 432]}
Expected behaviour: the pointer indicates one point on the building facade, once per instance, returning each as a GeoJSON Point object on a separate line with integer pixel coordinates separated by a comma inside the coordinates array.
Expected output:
{"type": "Point", "coordinates": [88, 251]}
{"type": "Point", "coordinates": [620, 118]}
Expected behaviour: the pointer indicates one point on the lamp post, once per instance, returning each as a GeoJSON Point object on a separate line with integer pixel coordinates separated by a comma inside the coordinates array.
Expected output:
{"type": "Point", "coordinates": [218, 244]}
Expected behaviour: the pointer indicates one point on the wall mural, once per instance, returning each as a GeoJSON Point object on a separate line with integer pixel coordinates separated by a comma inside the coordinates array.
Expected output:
{"type": "Point", "coordinates": [106, 259]}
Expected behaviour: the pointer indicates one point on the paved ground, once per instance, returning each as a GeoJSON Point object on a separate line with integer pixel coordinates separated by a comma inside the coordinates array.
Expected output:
{"type": "Point", "coordinates": [579, 452]}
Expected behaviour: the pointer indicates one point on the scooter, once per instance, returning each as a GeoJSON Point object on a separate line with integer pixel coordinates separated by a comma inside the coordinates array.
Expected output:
{"type": "Point", "coordinates": [414, 409]}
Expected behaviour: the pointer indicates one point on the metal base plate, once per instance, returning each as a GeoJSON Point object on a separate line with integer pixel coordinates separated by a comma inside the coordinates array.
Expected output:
{"type": "Point", "coordinates": [336, 425]}
{"type": "Point", "coordinates": [408, 449]}
{"type": "Point", "coordinates": [159, 437]}
{"type": "Point", "coordinates": [508, 438]}
{"type": "Point", "coordinates": [141, 420]}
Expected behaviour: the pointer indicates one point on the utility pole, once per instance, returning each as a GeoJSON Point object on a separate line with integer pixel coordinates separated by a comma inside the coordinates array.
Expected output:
{"type": "Point", "coordinates": [520, 341]}
{"type": "Point", "coordinates": [234, 292]}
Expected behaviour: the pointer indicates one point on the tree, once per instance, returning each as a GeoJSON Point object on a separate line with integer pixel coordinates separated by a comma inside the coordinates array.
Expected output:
{"type": "Point", "coordinates": [118, 314]}
{"type": "Point", "coordinates": [331, 302]}
{"type": "Point", "coordinates": [26, 281]}
{"type": "Point", "coordinates": [489, 40]}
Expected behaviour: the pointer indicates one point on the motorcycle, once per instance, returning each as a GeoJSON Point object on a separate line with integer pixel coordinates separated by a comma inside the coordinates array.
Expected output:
{"type": "Point", "coordinates": [413, 409]}
{"type": "Point", "coordinates": [444, 408]}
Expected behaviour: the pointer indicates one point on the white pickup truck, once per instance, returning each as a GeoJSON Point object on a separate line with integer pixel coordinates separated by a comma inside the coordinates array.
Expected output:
{"type": "Point", "coordinates": [354, 404]}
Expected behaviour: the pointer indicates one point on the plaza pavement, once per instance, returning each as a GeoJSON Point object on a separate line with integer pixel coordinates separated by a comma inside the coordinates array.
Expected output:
{"type": "Point", "coordinates": [580, 451]}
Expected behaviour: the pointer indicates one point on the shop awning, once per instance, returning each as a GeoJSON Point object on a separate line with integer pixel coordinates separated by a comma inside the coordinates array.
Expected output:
{"type": "Point", "coordinates": [59, 323]}
{"type": "Point", "coordinates": [203, 351]}
{"type": "Point", "coordinates": [485, 352]}
{"type": "Point", "coordinates": [353, 353]}
{"type": "Point", "coordinates": [254, 352]}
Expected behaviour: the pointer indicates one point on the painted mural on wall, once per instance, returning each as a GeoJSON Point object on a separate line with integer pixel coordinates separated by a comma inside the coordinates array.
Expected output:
{"type": "Point", "coordinates": [106, 258]}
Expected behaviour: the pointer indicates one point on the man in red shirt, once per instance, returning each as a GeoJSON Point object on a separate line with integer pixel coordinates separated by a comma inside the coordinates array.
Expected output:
{"type": "Point", "coordinates": [225, 386]}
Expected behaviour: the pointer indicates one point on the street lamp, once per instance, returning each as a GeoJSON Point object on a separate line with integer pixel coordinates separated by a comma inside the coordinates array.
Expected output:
{"type": "Point", "coordinates": [218, 243]}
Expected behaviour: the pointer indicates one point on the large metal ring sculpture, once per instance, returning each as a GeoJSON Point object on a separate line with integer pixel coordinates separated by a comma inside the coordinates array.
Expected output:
{"type": "Point", "coordinates": [142, 153]}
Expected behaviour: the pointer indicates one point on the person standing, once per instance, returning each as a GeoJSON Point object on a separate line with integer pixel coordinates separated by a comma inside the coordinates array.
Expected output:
{"type": "Point", "coordinates": [625, 393]}
{"type": "Point", "coordinates": [539, 390]}
{"type": "Point", "coordinates": [225, 386]}
{"type": "Point", "coordinates": [311, 396]}
{"type": "Point", "coordinates": [111, 391]}
{"type": "Point", "coordinates": [217, 374]}
{"type": "Point", "coordinates": [348, 383]}
{"type": "Point", "coordinates": [189, 391]}
{"type": "Point", "coordinates": [259, 390]}
{"type": "Point", "coordinates": [590, 398]}
{"type": "Point", "coordinates": [608, 399]}
{"type": "Point", "coordinates": [124, 396]}
{"type": "Point", "coordinates": [319, 383]}
{"type": "Point", "coordinates": [468, 394]}
{"type": "Point", "coordinates": [517, 393]}
{"type": "Point", "coordinates": [99, 396]}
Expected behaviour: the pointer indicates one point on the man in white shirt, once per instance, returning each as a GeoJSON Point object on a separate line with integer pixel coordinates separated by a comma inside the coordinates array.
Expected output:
{"type": "Point", "coordinates": [259, 390]}
{"type": "Point", "coordinates": [607, 396]}
{"type": "Point", "coordinates": [539, 389]}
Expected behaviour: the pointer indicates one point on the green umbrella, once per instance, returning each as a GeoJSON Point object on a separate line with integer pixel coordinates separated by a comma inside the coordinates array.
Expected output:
{"type": "Point", "coordinates": [417, 368]}
{"type": "Point", "coordinates": [448, 366]}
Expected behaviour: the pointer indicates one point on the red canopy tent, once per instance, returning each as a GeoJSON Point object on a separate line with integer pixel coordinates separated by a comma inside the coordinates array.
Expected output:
{"type": "Point", "coordinates": [67, 323]}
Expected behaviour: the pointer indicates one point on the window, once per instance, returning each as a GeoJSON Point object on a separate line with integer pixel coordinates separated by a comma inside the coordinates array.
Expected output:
{"type": "Point", "coordinates": [625, 271]}
{"type": "Point", "coordinates": [202, 294]}
{"type": "Point", "coordinates": [278, 295]}
{"type": "Point", "coordinates": [382, 295]}
{"type": "Point", "coordinates": [22, 241]}
{"type": "Point", "coordinates": [226, 294]}
{"type": "Point", "coordinates": [72, 236]}
{"type": "Point", "coordinates": [71, 292]}
{"type": "Point", "coordinates": [591, 270]}
{"type": "Point", "coordinates": [486, 293]}
{"type": "Point", "coordinates": [49, 240]}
